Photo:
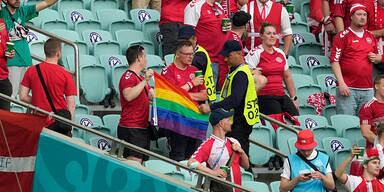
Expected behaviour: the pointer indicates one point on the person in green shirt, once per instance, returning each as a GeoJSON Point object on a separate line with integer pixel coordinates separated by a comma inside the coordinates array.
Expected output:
{"type": "Point", "coordinates": [15, 17]}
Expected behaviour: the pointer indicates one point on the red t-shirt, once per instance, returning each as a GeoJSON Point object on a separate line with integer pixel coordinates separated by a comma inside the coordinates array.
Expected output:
{"type": "Point", "coordinates": [207, 22]}
{"type": "Point", "coordinates": [59, 84]}
{"type": "Point", "coordinates": [180, 77]}
{"type": "Point", "coordinates": [272, 67]}
{"type": "Point", "coordinates": [229, 6]}
{"type": "Point", "coordinates": [172, 11]}
{"type": "Point", "coordinates": [342, 9]}
{"type": "Point", "coordinates": [212, 152]}
{"type": "Point", "coordinates": [351, 52]}
{"type": "Point", "coordinates": [378, 24]}
{"type": "Point", "coordinates": [4, 38]}
{"type": "Point", "coordinates": [372, 112]}
{"type": "Point", "coordinates": [134, 113]}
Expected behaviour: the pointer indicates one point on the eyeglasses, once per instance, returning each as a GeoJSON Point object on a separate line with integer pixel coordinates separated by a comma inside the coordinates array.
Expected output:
{"type": "Point", "coordinates": [187, 54]}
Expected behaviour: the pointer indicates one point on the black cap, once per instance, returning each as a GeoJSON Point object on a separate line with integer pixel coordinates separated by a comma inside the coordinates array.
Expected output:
{"type": "Point", "coordinates": [241, 18]}
{"type": "Point", "coordinates": [186, 32]}
{"type": "Point", "coordinates": [218, 114]}
{"type": "Point", "coordinates": [229, 46]}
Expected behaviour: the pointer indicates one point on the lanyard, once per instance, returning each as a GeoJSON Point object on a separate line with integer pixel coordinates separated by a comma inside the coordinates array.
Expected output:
{"type": "Point", "coordinates": [221, 154]}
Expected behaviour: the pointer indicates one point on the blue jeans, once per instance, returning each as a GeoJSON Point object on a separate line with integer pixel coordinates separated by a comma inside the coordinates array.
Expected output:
{"type": "Point", "coordinates": [351, 105]}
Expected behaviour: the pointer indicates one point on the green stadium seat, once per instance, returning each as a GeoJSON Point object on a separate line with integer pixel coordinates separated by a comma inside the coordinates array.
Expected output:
{"type": "Point", "coordinates": [310, 61]}
{"type": "Point", "coordinates": [326, 81]}
{"type": "Point", "coordinates": [297, 18]}
{"type": "Point", "coordinates": [308, 49]}
{"type": "Point", "coordinates": [282, 137]}
{"type": "Point", "coordinates": [128, 38]}
{"type": "Point", "coordinates": [155, 63]}
{"type": "Point", "coordinates": [18, 108]}
{"type": "Point", "coordinates": [85, 120]}
{"type": "Point", "coordinates": [112, 121]}
{"type": "Point", "coordinates": [312, 121]}
{"type": "Point", "coordinates": [301, 80]}
{"type": "Point", "coordinates": [319, 70]}
{"type": "Point", "coordinates": [116, 73]}
{"type": "Point", "coordinates": [104, 4]}
{"type": "Point", "coordinates": [169, 59]}
{"type": "Point", "coordinates": [140, 16]}
{"type": "Point", "coordinates": [67, 34]}
{"type": "Point", "coordinates": [84, 25]}
{"type": "Point", "coordinates": [332, 145]}
{"type": "Point", "coordinates": [73, 15]}
{"type": "Point", "coordinates": [299, 27]}
{"type": "Point", "coordinates": [69, 50]}
{"type": "Point", "coordinates": [83, 60]}
{"type": "Point", "coordinates": [165, 168]}
{"type": "Point", "coordinates": [323, 132]}
{"type": "Point", "coordinates": [295, 69]}
{"type": "Point", "coordinates": [328, 111]}
{"type": "Point", "coordinates": [255, 185]}
{"type": "Point", "coordinates": [34, 37]}
{"type": "Point", "coordinates": [306, 109]}
{"type": "Point", "coordinates": [37, 48]}
{"type": "Point", "coordinates": [70, 4]}
{"type": "Point", "coordinates": [275, 186]}
{"type": "Point", "coordinates": [339, 157]}
{"type": "Point", "coordinates": [298, 39]}
{"type": "Point", "coordinates": [262, 134]}
{"type": "Point", "coordinates": [54, 24]}
{"type": "Point", "coordinates": [151, 32]}
{"type": "Point", "coordinates": [100, 143]}
{"type": "Point", "coordinates": [121, 25]}
{"type": "Point", "coordinates": [106, 47]}
{"type": "Point", "coordinates": [304, 91]}
{"type": "Point", "coordinates": [297, 5]}
{"type": "Point", "coordinates": [353, 134]}
{"type": "Point", "coordinates": [342, 122]}
{"type": "Point", "coordinates": [93, 37]}
{"type": "Point", "coordinates": [94, 82]}
{"type": "Point", "coordinates": [111, 60]}
{"type": "Point", "coordinates": [304, 11]}
{"type": "Point", "coordinates": [291, 145]}
{"type": "Point", "coordinates": [246, 176]}
{"type": "Point", "coordinates": [108, 16]}
{"type": "Point", "coordinates": [46, 15]}
{"type": "Point", "coordinates": [292, 61]}
{"type": "Point", "coordinates": [82, 109]}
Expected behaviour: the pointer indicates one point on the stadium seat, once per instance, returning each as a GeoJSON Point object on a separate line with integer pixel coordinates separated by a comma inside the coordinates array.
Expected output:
{"type": "Point", "coordinates": [306, 109]}
{"type": "Point", "coordinates": [111, 60]}
{"type": "Point", "coordinates": [292, 61]}
{"type": "Point", "coordinates": [275, 186]}
{"type": "Point", "coordinates": [296, 69]}
{"type": "Point", "coordinates": [70, 4]}
{"type": "Point", "coordinates": [140, 16]}
{"type": "Point", "coordinates": [291, 145]}
{"type": "Point", "coordinates": [299, 27]}
{"type": "Point", "coordinates": [104, 4]}
{"type": "Point", "coordinates": [78, 139]}
{"type": "Point", "coordinates": [165, 168]}
{"type": "Point", "coordinates": [45, 15]}
{"type": "Point", "coordinates": [297, 5]}
{"type": "Point", "coordinates": [302, 80]}
{"type": "Point", "coordinates": [73, 15]}
{"type": "Point", "coordinates": [282, 137]}
{"type": "Point", "coordinates": [18, 108]}
{"type": "Point", "coordinates": [82, 109]}
{"type": "Point", "coordinates": [116, 73]}
{"type": "Point", "coordinates": [108, 16]}
{"type": "Point", "coordinates": [326, 81]}
{"type": "Point", "coordinates": [83, 60]}
{"type": "Point", "coordinates": [297, 17]}
{"type": "Point", "coordinates": [308, 49]}
{"type": "Point", "coordinates": [362, 142]}
{"type": "Point", "coordinates": [54, 25]}
{"type": "Point", "coordinates": [304, 91]}
{"type": "Point", "coordinates": [37, 48]}
{"type": "Point", "coordinates": [34, 37]}
{"type": "Point", "coordinates": [301, 38]}
{"type": "Point", "coordinates": [333, 144]}
{"type": "Point", "coordinates": [155, 63]}
{"type": "Point", "coordinates": [320, 69]}
{"type": "Point", "coordinates": [304, 11]}
{"type": "Point", "coordinates": [67, 34]}
{"type": "Point", "coordinates": [342, 122]}
{"type": "Point", "coordinates": [112, 121]}
{"type": "Point", "coordinates": [89, 24]}
{"type": "Point", "coordinates": [106, 47]}
{"type": "Point", "coordinates": [101, 143]}
{"type": "Point", "coordinates": [339, 157]}
{"type": "Point", "coordinates": [93, 37]}
{"type": "Point", "coordinates": [85, 120]}
{"type": "Point", "coordinates": [353, 134]}
{"type": "Point", "coordinates": [323, 132]}
{"type": "Point", "coordinates": [328, 111]}
{"type": "Point", "coordinates": [169, 59]}
{"type": "Point", "coordinates": [121, 25]}
{"type": "Point", "coordinates": [151, 32]}
{"type": "Point", "coordinates": [310, 61]}
{"type": "Point", "coordinates": [94, 82]}
{"type": "Point", "coordinates": [128, 38]}
{"type": "Point", "coordinates": [312, 121]}
{"type": "Point", "coordinates": [69, 50]}
{"type": "Point", "coordinates": [255, 185]}
{"type": "Point", "coordinates": [258, 155]}
{"type": "Point", "coordinates": [245, 175]}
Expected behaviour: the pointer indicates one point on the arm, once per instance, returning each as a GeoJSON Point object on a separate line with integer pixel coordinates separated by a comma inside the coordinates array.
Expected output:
{"type": "Point", "coordinates": [367, 133]}
{"type": "Point", "coordinates": [329, 27]}
{"type": "Point", "coordinates": [71, 106]}
{"type": "Point", "coordinates": [378, 33]}
{"type": "Point", "coordinates": [287, 44]}
{"type": "Point", "coordinates": [325, 8]}
{"type": "Point", "coordinates": [287, 185]}
{"type": "Point", "coordinates": [290, 86]}
{"type": "Point", "coordinates": [132, 92]}
{"type": "Point", "coordinates": [339, 173]}
{"type": "Point", "coordinates": [218, 172]}
{"type": "Point", "coordinates": [326, 179]}
{"type": "Point", "coordinates": [241, 3]}
{"type": "Point", "coordinates": [151, 94]}
{"type": "Point", "coordinates": [374, 58]}
{"type": "Point", "coordinates": [44, 4]}
{"type": "Point", "coordinates": [199, 96]}
{"type": "Point", "coordinates": [344, 89]}
{"type": "Point", "coordinates": [24, 94]}
{"type": "Point", "coordinates": [244, 161]}
{"type": "Point", "coordinates": [339, 22]}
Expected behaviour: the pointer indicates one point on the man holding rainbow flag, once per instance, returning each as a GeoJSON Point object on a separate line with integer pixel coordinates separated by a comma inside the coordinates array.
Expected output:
{"type": "Point", "coordinates": [238, 94]}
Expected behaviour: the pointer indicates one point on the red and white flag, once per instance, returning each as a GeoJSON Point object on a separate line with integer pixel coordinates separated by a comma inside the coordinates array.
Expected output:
{"type": "Point", "coordinates": [19, 137]}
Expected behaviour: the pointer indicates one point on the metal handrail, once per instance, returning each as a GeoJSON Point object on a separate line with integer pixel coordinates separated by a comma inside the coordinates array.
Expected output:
{"type": "Point", "coordinates": [281, 124]}
{"type": "Point", "coordinates": [122, 144]}
{"type": "Point", "coordinates": [71, 43]}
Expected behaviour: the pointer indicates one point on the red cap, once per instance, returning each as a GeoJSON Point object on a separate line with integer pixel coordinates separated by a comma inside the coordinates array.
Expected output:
{"type": "Point", "coordinates": [305, 140]}
{"type": "Point", "coordinates": [371, 154]}
{"type": "Point", "coordinates": [357, 6]}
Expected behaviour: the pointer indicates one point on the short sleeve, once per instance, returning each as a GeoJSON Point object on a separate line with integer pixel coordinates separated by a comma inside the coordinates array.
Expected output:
{"type": "Point", "coordinates": [70, 88]}
{"type": "Point", "coordinates": [192, 14]}
{"type": "Point", "coordinates": [253, 58]}
{"type": "Point", "coordinates": [339, 9]}
{"type": "Point", "coordinates": [365, 115]}
{"type": "Point", "coordinates": [353, 182]}
{"type": "Point", "coordinates": [285, 23]}
{"type": "Point", "coordinates": [129, 80]}
{"type": "Point", "coordinates": [29, 12]}
{"type": "Point", "coordinates": [26, 82]}
{"type": "Point", "coordinates": [202, 153]}
{"type": "Point", "coordinates": [337, 47]}
{"type": "Point", "coordinates": [286, 170]}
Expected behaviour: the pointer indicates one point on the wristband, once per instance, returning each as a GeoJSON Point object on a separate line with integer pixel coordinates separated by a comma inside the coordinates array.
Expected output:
{"type": "Point", "coordinates": [190, 84]}
{"type": "Point", "coordinates": [194, 165]}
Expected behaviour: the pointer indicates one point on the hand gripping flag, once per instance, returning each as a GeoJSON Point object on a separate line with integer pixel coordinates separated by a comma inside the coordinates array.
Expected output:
{"type": "Point", "coordinates": [19, 137]}
{"type": "Point", "coordinates": [174, 109]}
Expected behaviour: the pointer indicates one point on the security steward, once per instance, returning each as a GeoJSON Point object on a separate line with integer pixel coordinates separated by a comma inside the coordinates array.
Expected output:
{"type": "Point", "coordinates": [238, 93]}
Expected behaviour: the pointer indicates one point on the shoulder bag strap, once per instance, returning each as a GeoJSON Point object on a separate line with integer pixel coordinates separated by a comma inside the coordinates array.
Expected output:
{"type": "Point", "coordinates": [45, 88]}
{"type": "Point", "coordinates": [145, 89]}
{"type": "Point", "coordinates": [306, 161]}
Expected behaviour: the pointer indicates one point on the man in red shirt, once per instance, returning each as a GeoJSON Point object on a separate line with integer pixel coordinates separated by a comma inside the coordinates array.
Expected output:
{"type": "Point", "coordinates": [206, 16]}
{"type": "Point", "coordinates": [342, 13]}
{"type": "Point", "coordinates": [272, 12]}
{"type": "Point", "coordinates": [135, 94]}
{"type": "Point", "coordinates": [5, 84]}
{"type": "Point", "coordinates": [354, 50]}
{"type": "Point", "coordinates": [60, 84]}
{"type": "Point", "coordinates": [372, 113]}
{"type": "Point", "coordinates": [182, 74]}
{"type": "Point", "coordinates": [215, 155]}
{"type": "Point", "coordinates": [171, 20]}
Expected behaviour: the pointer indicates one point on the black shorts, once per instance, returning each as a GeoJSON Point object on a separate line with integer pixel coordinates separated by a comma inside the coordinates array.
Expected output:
{"type": "Point", "coordinates": [136, 136]}
{"type": "Point", "coordinates": [276, 104]}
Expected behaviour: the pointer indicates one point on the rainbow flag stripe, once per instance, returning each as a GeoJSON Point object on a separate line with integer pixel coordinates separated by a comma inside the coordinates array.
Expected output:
{"type": "Point", "coordinates": [176, 111]}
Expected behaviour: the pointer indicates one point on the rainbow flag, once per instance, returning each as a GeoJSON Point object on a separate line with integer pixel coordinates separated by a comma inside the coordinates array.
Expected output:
{"type": "Point", "coordinates": [173, 109]}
